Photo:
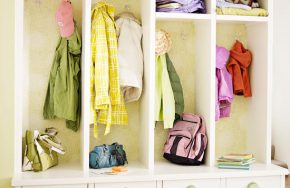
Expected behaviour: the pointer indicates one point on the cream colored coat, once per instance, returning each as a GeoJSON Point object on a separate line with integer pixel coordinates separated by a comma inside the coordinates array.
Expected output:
{"type": "Point", "coordinates": [130, 57]}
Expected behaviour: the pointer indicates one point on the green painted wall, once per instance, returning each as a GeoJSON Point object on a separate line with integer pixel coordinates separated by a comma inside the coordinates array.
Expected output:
{"type": "Point", "coordinates": [6, 91]}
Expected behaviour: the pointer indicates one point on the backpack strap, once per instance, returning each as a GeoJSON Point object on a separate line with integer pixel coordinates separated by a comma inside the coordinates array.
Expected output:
{"type": "Point", "coordinates": [190, 118]}
{"type": "Point", "coordinates": [202, 128]}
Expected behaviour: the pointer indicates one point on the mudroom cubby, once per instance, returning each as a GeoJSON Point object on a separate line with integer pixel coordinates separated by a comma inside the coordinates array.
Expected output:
{"type": "Point", "coordinates": [40, 38]}
{"type": "Point", "coordinates": [192, 60]}
{"type": "Point", "coordinates": [249, 116]}
{"type": "Point", "coordinates": [193, 53]}
{"type": "Point", "coordinates": [132, 136]}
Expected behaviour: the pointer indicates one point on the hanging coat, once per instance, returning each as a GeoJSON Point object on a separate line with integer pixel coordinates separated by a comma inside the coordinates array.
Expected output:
{"type": "Point", "coordinates": [164, 96]}
{"type": "Point", "coordinates": [63, 92]}
{"type": "Point", "coordinates": [224, 85]}
{"type": "Point", "coordinates": [130, 57]}
{"type": "Point", "coordinates": [107, 102]}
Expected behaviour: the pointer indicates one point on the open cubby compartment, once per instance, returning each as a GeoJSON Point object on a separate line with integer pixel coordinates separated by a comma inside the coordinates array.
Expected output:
{"type": "Point", "coordinates": [134, 136]}
{"type": "Point", "coordinates": [40, 34]}
{"type": "Point", "coordinates": [208, 4]}
{"type": "Point", "coordinates": [247, 130]}
{"type": "Point", "coordinates": [191, 56]}
{"type": "Point", "coordinates": [170, 15]}
{"type": "Point", "coordinates": [265, 4]}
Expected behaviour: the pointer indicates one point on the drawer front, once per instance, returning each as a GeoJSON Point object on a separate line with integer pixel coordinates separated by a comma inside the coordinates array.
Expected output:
{"type": "Point", "coordinates": [58, 186]}
{"type": "Point", "coordinates": [206, 183]}
{"type": "Point", "coordinates": [254, 182]}
{"type": "Point", "coordinates": [127, 185]}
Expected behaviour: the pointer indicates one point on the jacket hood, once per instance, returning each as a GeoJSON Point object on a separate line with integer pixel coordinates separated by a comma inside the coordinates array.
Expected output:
{"type": "Point", "coordinates": [222, 57]}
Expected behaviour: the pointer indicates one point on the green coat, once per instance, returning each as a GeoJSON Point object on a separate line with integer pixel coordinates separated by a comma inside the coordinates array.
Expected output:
{"type": "Point", "coordinates": [63, 92]}
{"type": "Point", "coordinates": [164, 97]}
{"type": "Point", "coordinates": [176, 87]}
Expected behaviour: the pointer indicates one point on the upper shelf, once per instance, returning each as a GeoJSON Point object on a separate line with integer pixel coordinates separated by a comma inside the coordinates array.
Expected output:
{"type": "Point", "coordinates": [246, 19]}
{"type": "Point", "coordinates": [181, 16]}
{"type": "Point", "coordinates": [219, 18]}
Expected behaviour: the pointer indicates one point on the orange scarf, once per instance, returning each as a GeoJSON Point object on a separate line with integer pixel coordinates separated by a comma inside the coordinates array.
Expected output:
{"type": "Point", "coordinates": [240, 60]}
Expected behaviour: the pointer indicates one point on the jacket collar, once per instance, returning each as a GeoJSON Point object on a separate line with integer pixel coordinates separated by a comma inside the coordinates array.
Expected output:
{"type": "Point", "coordinates": [222, 57]}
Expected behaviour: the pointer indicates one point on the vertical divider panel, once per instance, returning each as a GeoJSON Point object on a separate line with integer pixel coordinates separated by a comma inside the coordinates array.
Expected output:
{"type": "Point", "coordinates": [205, 80]}
{"type": "Point", "coordinates": [18, 83]}
{"type": "Point", "coordinates": [86, 54]}
{"type": "Point", "coordinates": [147, 101]}
{"type": "Point", "coordinates": [213, 87]}
{"type": "Point", "coordinates": [257, 116]}
{"type": "Point", "coordinates": [270, 79]}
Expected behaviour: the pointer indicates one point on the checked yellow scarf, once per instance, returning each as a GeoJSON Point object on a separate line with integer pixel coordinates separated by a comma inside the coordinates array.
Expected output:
{"type": "Point", "coordinates": [107, 102]}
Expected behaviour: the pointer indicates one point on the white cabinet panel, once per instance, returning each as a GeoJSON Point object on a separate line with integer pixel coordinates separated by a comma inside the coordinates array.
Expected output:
{"type": "Point", "coordinates": [206, 183]}
{"type": "Point", "coordinates": [159, 184]}
{"type": "Point", "coordinates": [127, 185]}
{"type": "Point", "coordinates": [254, 182]}
{"type": "Point", "coordinates": [58, 186]}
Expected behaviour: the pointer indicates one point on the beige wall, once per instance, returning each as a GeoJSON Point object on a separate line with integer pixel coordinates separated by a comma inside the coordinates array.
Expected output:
{"type": "Point", "coordinates": [281, 86]}
{"type": "Point", "coordinates": [6, 91]}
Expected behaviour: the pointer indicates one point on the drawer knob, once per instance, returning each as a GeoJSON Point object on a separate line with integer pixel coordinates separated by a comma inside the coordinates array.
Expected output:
{"type": "Point", "coordinates": [191, 186]}
{"type": "Point", "coordinates": [252, 185]}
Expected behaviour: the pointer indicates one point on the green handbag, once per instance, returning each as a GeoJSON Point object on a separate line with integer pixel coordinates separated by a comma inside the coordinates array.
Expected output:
{"type": "Point", "coordinates": [41, 150]}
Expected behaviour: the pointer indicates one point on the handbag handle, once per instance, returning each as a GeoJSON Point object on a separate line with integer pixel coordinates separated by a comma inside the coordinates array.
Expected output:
{"type": "Point", "coordinates": [252, 185]}
{"type": "Point", "coordinates": [115, 144]}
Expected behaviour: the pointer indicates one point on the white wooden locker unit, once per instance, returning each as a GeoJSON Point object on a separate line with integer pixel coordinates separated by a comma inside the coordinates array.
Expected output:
{"type": "Point", "coordinates": [194, 37]}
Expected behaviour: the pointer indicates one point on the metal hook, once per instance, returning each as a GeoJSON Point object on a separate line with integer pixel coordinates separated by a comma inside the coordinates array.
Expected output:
{"type": "Point", "coordinates": [127, 7]}
{"type": "Point", "coordinates": [38, 2]}
{"type": "Point", "coordinates": [67, 1]}
{"type": "Point", "coordinates": [183, 36]}
{"type": "Point", "coordinates": [238, 35]}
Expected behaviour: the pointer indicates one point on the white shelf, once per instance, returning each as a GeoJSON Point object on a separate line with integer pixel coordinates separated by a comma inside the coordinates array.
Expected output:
{"type": "Point", "coordinates": [219, 18]}
{"type": "Point", "coordinates": [136, 172]}
{"type": "Point", "coordinates": [167, 171]}
{"type": "Point", "coordinates": [60, 174]}
{"type": "Point", "coordinates": [181, 16]}
{"type": "Point", "coordinates": [72, 174]}
{"type": "Point", "coordinates": [245, 19]}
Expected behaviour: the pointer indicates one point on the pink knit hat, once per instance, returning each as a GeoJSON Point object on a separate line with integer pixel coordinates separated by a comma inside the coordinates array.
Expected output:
{"type": "Point", "coordinates": [64, 18]}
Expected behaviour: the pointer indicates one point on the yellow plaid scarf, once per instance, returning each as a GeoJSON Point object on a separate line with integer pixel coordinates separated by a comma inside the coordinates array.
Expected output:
{"type": "Point", "coordinates": [107, 102]}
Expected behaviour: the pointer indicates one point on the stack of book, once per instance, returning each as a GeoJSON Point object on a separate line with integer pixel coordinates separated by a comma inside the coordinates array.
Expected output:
{"type": "Point", "coordinates": [236, 161]}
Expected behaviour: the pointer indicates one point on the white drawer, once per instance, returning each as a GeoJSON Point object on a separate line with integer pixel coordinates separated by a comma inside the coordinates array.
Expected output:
{"type": "Point", "coordinates": [254, 182]}
{"type": "Point", "coordinates": [206, 183]}
{"type": "Point", "coordinates": [58, 186]}
{"type": "Point", "coordinates": [127, 185]}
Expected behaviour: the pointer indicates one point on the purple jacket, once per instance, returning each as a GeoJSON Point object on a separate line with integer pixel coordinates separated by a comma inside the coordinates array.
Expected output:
{"type": "Point", "coordinates": [188, 6]}
{"type": "Point", "coordinates": [224, 84]}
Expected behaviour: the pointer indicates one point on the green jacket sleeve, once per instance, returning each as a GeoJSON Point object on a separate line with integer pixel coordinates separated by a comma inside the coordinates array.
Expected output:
{"type": "Point", "coordinates": [176, 87]}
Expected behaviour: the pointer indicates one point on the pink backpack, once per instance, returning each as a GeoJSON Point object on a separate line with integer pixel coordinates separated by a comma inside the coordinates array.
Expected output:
{"type": "Point", "coordinates": [187, 141]}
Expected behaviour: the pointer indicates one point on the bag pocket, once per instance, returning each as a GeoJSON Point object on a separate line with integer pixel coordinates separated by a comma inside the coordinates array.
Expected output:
{"type": "Point", "coordinates": [100, 158]}
{"type": "Point", "coordinates": [181, 146]}
{"type": "Point", "coordinates": [178, 143]}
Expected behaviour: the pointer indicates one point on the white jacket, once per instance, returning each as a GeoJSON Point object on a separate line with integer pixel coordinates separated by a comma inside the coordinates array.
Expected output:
{"type": "Point", "coordinates": [130, 57]}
